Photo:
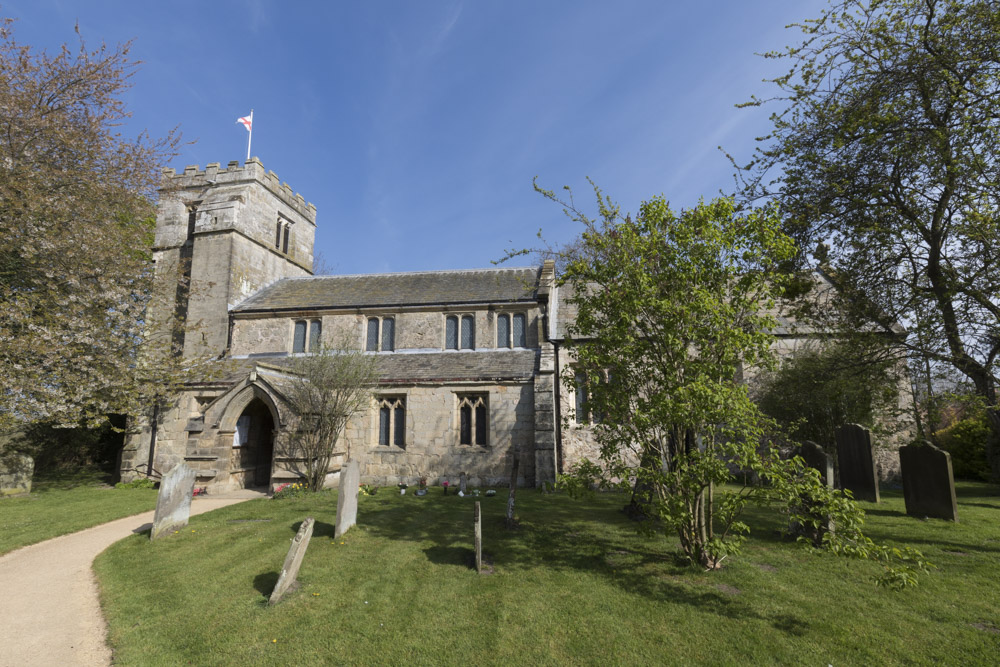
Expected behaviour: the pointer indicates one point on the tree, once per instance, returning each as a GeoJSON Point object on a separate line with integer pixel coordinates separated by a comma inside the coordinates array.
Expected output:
{"type": "Point", "coordinates": [669, 308]}
{"type": "Point", "coordinates": [888, 150]}
{"type": "Point", "coordinates": [76, 216]}
{"type": "Point", "coordinates": [327, 388]}
{"type": "Point", "coordinates": [819, 389]}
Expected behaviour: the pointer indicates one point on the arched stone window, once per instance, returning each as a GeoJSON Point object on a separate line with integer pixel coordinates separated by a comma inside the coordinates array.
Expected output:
{"type": "Point", "coordinates": [473, 420]}
{"type": "Point", "coordinates": [392, 421]}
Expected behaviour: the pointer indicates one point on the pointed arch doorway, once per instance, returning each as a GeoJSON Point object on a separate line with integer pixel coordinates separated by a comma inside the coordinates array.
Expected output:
{"type": "Point", "coordinates": [253, 444]}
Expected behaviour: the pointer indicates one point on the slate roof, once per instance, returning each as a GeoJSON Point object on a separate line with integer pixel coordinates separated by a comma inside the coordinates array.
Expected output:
{"type": "Point", "coordinates": [430, 366]}
{"type": "Point", "coordinates": [396, 289]}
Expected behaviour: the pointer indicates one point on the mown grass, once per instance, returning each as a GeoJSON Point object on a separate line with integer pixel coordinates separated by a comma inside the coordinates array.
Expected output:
{"type": "Point", "coordinates": [62, 504]}
{"type": "Point", "coordinates": [576, 584]}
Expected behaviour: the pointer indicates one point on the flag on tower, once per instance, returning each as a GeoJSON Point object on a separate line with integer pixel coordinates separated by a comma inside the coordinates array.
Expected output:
{"type": "Point", "coordinates": [247, 123]}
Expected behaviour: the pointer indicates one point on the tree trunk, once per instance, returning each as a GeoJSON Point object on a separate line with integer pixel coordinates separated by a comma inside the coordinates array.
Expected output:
{"type": "Point", "coordinates": [993, 443]}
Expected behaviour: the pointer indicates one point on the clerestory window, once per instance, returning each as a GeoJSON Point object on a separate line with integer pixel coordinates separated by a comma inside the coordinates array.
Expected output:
{"type": "Point", "coordinates": [511, 330]}
{"type": "Point", "coordinates": [307, 330]}
{"type": "Point", "coordinates": [380, 334]}
{"type": "Point", "coordinates": [460, 332]}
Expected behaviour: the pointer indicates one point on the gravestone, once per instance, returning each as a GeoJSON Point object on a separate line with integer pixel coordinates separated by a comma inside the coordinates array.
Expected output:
{"type": "Point", "coordinates": [15, 475]}
{"type": "Point", "coordinates": [509, 520]}
{"type": "Point", "coordinates": [478, 524]}
{"type": "Point", "coordinates": [857, 462]}
{"type": "Point", "coordinates": [928, 482]}
{"type": "Point", "coordinates": [173, 502]}
{"type": "Point", "coordinates": [347, 498]}
{"type": "Point", "coordinates": [816, 458]}
{"type": "Point", "coordinates": [463, 481]}
{"type": "Point", "coordinates": [290, 569]}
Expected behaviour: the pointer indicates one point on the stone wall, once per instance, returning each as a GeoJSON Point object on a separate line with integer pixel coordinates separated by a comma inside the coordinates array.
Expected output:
{"type": "Point", "coordinates": [415, 328]}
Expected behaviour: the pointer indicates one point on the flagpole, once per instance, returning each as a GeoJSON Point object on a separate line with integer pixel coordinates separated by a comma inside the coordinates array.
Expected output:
{"type": "Point", "coordinates": [250, 135]}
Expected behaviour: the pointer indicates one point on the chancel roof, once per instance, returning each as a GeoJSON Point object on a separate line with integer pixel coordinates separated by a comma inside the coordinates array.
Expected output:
{"type": "Point", "coordinates": [396, 289]}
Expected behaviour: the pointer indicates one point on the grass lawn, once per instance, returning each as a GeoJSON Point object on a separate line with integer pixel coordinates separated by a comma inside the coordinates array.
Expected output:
{"type": "Point", "coordinates": [574, 585]}
{"type": "Point", "coordinates": [65, 504]}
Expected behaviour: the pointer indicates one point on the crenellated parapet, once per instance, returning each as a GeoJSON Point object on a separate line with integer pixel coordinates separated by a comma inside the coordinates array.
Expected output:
{"type": "Point", "coordinates": [234, 174]}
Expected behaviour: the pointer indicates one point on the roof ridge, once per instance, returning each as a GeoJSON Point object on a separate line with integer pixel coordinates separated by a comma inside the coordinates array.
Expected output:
{"type": "Point", "coordinates": [415, 273]}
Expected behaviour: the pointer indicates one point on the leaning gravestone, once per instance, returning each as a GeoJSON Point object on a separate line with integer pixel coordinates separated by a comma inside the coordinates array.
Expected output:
{"type": "Point", "coordinates": [173, 503]}
{"type": "Point", "coordinates": [347, 498]}
{"type": "Point", "coordinates": [478, 524]}
{"type": "Point", "coordinates": [290, 570]}
{"type": "Point", "coordinates": [816, 458]}
{"type": "Point", "coordinates": [857, 462]}
{"type": "Point", "coordinates": [15, 475]}
{"type": "Point", "coordinates": [928, 482]}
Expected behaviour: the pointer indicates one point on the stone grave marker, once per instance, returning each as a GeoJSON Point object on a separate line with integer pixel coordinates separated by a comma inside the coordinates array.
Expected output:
{"type": "Point", "coordinates": [290, 569]}
{"type": "Point", "coordinates": [928, 482]}
{"type": "Point", "coordinates": [15, 475]}
{"type": "Point", "coordinates": [463, 481]}
{"type": "Point", "coordinates": [478, 524]}
{"type": "Point", "coordinates": [857, 462]}
{"type": "Point", "coordinates": [347, 498]}
{"type": "Point", "coordinates": [816, 458]}
{"type": "Point", "coordinates": [509, 520]}
{"type": "Point", "coordinates": [173, 502]}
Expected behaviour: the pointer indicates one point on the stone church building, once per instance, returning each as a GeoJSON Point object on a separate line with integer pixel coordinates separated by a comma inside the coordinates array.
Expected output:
{"type": "Point", "coordinates": [468, 361]}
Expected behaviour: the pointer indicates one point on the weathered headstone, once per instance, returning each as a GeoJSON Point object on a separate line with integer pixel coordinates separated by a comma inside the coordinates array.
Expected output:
{"type": "Point", "coordinates": [857, 462]}
{"type": "Point", "coordinates": [816, 458]}
{"type": "Point", "coordinates": [928, 482]}
{"type": "Point", "coordinates": [463, 481]}
{"type": "Point", "coordinates": [479, 539]}
{"type": "Point", "coordinates": [173, 502]}
{"type": "Point", "coordinates": [347, 498]}
{"type": "Point", "coordinates": [290, 569]}
{"type": "Point", "coordinates": [509, 518]}
{"type": "Point", "coordinates": [15, 475]}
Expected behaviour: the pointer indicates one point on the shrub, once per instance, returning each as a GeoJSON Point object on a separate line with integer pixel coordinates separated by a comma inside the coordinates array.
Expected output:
{"type": "Point", "coordinates": [138, 483]}
{"type": "Point", "coordinates": [965, 440]}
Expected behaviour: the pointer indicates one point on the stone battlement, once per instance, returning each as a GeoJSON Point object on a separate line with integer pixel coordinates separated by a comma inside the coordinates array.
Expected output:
{"type": "Point", "coordinates": [233, 173]}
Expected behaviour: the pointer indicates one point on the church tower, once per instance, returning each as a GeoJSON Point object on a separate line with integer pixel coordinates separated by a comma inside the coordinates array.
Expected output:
{"type": "Point", "coordinates": [225, 233]}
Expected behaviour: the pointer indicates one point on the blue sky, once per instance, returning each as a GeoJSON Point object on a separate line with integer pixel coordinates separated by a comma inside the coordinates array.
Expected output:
{"type": "Point", "coordinates": [416, 127]}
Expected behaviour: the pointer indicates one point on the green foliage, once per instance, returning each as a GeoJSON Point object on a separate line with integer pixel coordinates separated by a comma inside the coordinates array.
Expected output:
{"type": "Point", "coordinates": [887, 151]}
{"type": "Point", "coordinates": [966, 440]}
{"type": "Point", "coordinates": [818, 389]}
{"type": "Point", "coordinates": [76, 217]}
{"type": "Point", "coordinates": [138, 483]}
{"type": "Point", "coordinates": [369, 489]}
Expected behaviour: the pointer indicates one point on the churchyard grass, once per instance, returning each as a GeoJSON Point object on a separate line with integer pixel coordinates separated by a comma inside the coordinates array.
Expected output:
{"type": "Point", "coordinates": [575, 584]}
{"type": "Point", "coordinates": [66, 503]}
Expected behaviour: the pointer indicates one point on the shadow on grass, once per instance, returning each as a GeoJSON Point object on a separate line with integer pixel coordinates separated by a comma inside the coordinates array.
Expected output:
{"type": "Point", "coordinates": [320, 529]}
{"type": "Point", "coordinates": [265, 582]}
{"type": "Point", "coordinates": [554, 535]}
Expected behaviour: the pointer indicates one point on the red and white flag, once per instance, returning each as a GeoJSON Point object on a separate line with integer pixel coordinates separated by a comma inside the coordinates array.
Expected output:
{"type": "Point", "coordinates": [247, 123]}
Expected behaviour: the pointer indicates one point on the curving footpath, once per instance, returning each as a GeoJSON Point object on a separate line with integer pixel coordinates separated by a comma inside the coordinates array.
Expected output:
{"type": "Point", "coordinates": [49, 608]}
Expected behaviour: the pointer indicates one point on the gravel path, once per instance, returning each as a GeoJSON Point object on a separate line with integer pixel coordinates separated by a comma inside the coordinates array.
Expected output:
{"type": "Point", "coordinates": [49, 609]}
